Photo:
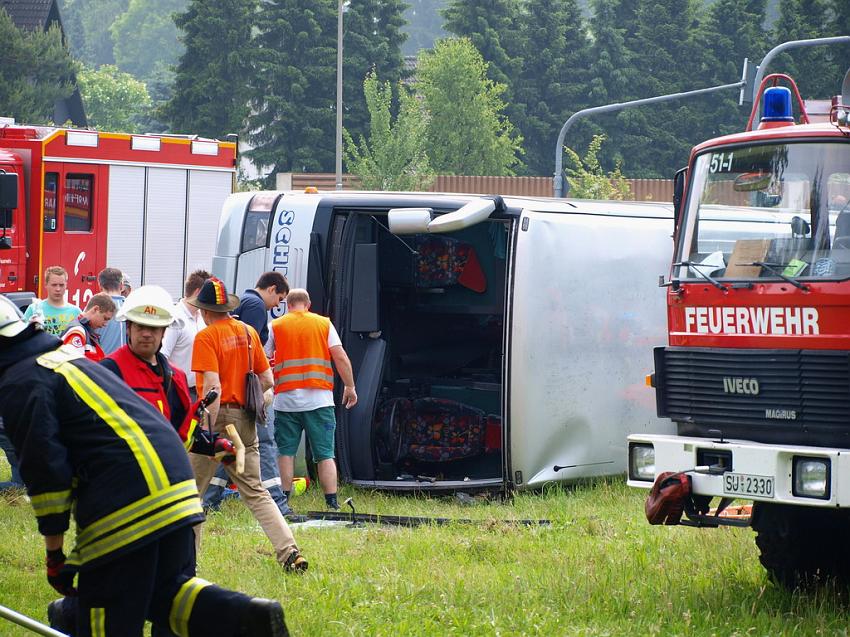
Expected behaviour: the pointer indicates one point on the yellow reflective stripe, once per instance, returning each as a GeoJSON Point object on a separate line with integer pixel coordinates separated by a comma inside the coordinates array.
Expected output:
{"type": "Point", "coordinates": [97, 618]}
{"type": "Point", "coordinates": [52, 502]}
{"type": "Point", "coordinates": [123, 425]}
{"type": "Point", "coordinates": [289, 378]}
{"type": "Point", "coordinates": [190, 435]}
{"type": "Point", "coordinates": [140, 529]}
{"type": "Point", "coordinates": [181, 606]}
{"type": "Point", "coordinates": [302, 362]}
{"type": "Point", "coordinates": [136, 510]}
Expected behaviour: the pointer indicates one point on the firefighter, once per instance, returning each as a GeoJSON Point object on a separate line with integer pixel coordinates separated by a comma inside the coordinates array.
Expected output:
{"type": "Point", "coordinates": [87, 443]}
{"type": "Point", "coordinates": [148, 311]}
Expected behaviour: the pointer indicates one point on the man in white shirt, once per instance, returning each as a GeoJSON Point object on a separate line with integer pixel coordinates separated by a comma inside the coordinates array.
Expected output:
{"type": "Point", "coordinates": [178, 341]}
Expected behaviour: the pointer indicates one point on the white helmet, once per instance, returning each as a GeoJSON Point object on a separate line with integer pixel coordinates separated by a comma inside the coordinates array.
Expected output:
{"type": "Point", "coordinates": [11, 322]}
{"type": "Point", "coordinates": [148, 305]}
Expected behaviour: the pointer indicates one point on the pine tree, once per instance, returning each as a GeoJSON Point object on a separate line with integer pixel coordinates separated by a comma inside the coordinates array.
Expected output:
{"type": "Point", "coordinates": [372, 43]}
{"type": "Point", "coordinates": [655, 140]}
{"type": "Point", "coordinates": [815, 69]}
{"type": "Point", "coordinates": [730, 31]}
{"type": "Point", "coordinates": [211, 84]}
{"type": "Point", "coordinates": [492, 27]}
{"type": "Point", "coordinates": [424, 25]}
{"type": "Point", "coordinates": [34, 71]}
{"type": "Point", "coordinates": [608, 75]}
{"type": "Point", "coordinates": [552, 82]}
{"type": "Point", "coordinates": [293, 89]}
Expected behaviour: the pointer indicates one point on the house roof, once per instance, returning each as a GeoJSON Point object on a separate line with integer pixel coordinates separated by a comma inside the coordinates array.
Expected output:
{"type": "Point", "coordinates": [32, 14]}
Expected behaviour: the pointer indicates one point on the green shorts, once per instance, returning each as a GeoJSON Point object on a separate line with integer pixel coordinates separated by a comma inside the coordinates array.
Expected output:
{"type": "Point", "coordinates": [319, 424]}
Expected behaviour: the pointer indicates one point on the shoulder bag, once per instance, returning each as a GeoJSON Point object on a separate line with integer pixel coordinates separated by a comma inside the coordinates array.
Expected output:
{"type": "Point", "coordinates": [254, 404]}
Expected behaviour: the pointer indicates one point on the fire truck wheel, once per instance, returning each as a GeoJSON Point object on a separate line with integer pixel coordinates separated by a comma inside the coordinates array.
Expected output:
{"type": "Point", "coordinates": [802, 547]}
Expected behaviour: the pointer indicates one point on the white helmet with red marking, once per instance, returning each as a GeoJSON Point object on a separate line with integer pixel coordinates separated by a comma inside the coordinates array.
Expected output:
{"type": "Point", "coordinates": [11, 323]}
{"type": "Point", "coordinates": [148, 305]}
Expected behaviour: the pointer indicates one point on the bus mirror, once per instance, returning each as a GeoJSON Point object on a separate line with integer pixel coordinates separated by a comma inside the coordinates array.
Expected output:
{"type": "Point", "coordinates": [8, 191]}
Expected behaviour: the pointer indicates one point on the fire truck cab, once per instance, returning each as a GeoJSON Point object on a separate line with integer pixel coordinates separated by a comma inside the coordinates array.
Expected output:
{"type": "Point", "coordinates": [756, 373]}
{"type": "Point", "coordinates": [146, 204]}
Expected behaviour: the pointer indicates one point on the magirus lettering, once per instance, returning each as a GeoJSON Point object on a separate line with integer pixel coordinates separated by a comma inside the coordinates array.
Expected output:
{"type": "Point", "coordinates": [740, 385]}
{"type": "Point", "coordinates": [780, 414]}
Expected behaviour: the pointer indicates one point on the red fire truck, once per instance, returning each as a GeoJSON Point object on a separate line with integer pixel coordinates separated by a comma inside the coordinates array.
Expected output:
{"type": "Point", "coordinates": [147, 204]}
{"type": "Point", "coordinates": [756, 375]}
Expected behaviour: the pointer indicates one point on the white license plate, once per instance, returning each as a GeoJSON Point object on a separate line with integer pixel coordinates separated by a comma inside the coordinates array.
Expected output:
{"type": "Point", "coordinates": [748, 485]}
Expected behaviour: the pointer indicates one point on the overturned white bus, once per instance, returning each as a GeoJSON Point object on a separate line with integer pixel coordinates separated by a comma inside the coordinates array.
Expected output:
{"type": "Point", "coordinates": [496, 342]}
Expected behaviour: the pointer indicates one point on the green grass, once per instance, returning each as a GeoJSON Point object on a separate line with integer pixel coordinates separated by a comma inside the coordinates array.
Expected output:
{"type": "Point", "coordinates": [599, 569]}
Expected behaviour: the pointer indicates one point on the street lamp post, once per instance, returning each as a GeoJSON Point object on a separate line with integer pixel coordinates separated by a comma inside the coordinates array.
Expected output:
{"type": "Point", "coordinates": [341, 6]}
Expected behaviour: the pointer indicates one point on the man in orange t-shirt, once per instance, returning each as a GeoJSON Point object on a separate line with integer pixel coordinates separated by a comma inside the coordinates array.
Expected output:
{"type": "Point", "coordinates": [223, 353]}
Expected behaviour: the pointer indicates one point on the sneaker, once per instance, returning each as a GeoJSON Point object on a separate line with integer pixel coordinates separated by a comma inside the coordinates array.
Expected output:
{"type": "Point", "coordinates": [333, 506]}
{"type": "Point", "coordinates": [62, 616]}
{"type": "Point", "coordinates": [295, 563]}
{"type": "Point", "coordinates": [262, 618]}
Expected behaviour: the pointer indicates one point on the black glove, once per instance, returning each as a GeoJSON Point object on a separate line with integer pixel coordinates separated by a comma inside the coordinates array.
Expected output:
{"type": "Point", "coordinates": [60, 576]}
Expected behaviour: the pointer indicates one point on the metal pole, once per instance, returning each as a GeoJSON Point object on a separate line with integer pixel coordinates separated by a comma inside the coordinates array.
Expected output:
{"type": "Point", "coordinates": [793, 44]}
{"type": "Point", "coordinates": [339, 94]}
{"type": "Point", "coordinates": [22, 620]}
{"type": "Point", "coordinates": [559, 183]}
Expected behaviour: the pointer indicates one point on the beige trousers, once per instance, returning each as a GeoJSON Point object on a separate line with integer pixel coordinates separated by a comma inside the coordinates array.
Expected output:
{"type": "Point", "coordinates": [251, 491]}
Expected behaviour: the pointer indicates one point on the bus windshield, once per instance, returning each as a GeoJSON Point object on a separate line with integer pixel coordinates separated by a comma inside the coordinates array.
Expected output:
{"type": "Point", "coordinates": [761, 210]}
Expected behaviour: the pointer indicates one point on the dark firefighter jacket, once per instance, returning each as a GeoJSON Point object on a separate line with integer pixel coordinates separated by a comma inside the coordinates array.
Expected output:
{"type": "Point", "coordinates": [168, 392]}
{"type": "Point", "coordinates": [86, 440]}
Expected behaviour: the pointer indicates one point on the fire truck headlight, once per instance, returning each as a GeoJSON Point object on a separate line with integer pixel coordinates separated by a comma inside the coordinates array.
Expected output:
{"type": "Point", "coordinates": [641, 462]}
{"type": "Point", "coordinates": [811, 477]}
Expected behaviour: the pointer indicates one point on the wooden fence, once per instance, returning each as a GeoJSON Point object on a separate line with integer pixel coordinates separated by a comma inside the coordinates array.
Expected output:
{"type": "Point", "coordinates": [641, 189]}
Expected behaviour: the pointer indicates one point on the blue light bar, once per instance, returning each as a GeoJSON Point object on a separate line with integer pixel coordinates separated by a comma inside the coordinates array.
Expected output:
{"type": "Point", "coordinates": [777, 105]}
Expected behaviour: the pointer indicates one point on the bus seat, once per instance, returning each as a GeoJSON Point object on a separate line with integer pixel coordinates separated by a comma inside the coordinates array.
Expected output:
{"type": "Point", "coordinates": [429, 430]}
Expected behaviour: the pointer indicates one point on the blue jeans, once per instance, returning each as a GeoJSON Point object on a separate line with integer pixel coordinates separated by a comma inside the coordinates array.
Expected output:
{"type": "Point", "coordinates": [269, 473]}
{"type": "Point", "coordinates": [12, 457]}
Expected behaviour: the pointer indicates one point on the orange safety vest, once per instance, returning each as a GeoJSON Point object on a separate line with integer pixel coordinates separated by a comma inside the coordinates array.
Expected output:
{"type": "Point", "coordinates": [302, 357]}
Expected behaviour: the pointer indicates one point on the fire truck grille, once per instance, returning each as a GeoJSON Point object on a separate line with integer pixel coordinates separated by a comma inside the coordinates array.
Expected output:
{"type": "Point", "coordinates": [790, 396]}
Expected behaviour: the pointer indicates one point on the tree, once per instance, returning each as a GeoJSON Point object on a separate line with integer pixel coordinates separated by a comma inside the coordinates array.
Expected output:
{"type": "Point", "coordinates": [468, 134]}
{"type": "Point", "coordinates": [34, 71]}
{"type": "Point", "coordinates": [373, 39]}
{"type": "Point", "coordinates": [730, 31]}
{"type": "Point", "coordinates": [210, 95]}
{"type": "Point", "coordinates": [553, 77]}
{"type": "Point", "coordinates": [587, 178]}
{"type": "Point", "coordinates": [815, 69]}
{"type": "Point", "coordinates": [393, 157]}
{"type": "Point", "coordinates": [293, 92]}
{"type": "Point", "coordinates": [424, 25]}
{"type": "Point", "coordinates": [492, 27]}
{"type": "Point", "coordinates": [89, 37]}
{"type": "Point", "coordinates": [654, 140]}
{"type": "Point", "coordinates": [114, 100]}
{"type": "Point", "coordinates": [608, 77]}
{"type": "Point", "coordinates": [145, 37]}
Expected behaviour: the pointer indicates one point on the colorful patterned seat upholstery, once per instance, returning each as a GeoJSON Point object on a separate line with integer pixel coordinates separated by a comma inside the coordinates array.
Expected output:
{"type": "Point", "coordinates": [430, 430]}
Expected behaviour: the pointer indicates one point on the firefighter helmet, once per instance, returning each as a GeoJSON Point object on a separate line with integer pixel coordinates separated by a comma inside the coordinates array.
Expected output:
{"type": "Point", "coordinates": [11, 322]}
{"type": "Point", "coordinates": [148, 305]}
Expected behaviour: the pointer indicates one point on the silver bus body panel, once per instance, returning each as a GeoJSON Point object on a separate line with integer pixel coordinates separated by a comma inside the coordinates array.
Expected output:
{"type": "Point", "coordinates": [586, 313]}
